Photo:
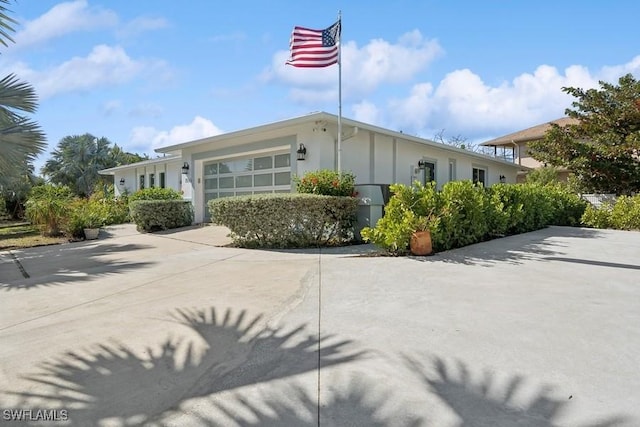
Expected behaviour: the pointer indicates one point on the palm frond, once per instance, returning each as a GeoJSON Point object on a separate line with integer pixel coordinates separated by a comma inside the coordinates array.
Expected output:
{"type": "Point", "coordinates": [6, 22]}
{"type": "Point", "coordinates": [20, 139]}
{"type": "Point", "coordinates": [17, 95]}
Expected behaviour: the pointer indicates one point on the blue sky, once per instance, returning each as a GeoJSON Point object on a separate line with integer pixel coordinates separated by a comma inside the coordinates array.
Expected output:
{"type": "Point", "coordinates": [146, 74]}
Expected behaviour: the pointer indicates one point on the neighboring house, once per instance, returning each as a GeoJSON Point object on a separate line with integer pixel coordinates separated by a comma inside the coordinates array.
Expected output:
{"type": "Point", "coordinates": [514, 147]}
{"type": "Point", "coordinates": [264, 159]}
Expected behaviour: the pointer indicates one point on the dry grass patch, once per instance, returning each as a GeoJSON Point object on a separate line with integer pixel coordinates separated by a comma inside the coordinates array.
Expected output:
{"type": "Point", "coordinates": [19, 235]}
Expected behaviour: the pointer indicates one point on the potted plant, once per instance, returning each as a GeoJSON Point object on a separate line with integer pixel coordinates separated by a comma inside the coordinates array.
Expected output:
{"type": "Point", "coordinates": [420, 243]}
{"type": "Point", "coordinates": [90, 220]}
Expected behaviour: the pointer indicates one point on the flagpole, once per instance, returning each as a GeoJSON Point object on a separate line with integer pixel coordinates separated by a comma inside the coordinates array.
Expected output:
{"type": "Point", "coordinates": [340, 93]}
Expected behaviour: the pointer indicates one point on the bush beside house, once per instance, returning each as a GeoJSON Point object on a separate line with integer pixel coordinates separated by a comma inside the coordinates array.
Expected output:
{"type": "Point", "coordinates": [286, 220]}
{"type": "Point", "coordinates": [463, 213]}
{"type": "Point", "coordinates": [156, 215]}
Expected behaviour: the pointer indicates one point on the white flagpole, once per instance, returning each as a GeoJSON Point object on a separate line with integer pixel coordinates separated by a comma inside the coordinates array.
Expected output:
{"type": "Point", "coordinates": [340, 95]}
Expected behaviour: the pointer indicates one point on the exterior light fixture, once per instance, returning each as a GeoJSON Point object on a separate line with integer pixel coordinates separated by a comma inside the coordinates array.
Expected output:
{"type": "Point", "coordinates": [185, 168]}
{"type": "Point", "coordinates": [121, 181]}
{"type": "Point", "coordinates": [302, 152]}
{"type": "Point", "coordinates": [503, 179]}
{"type": "Point", "coordinates": [422, 164]}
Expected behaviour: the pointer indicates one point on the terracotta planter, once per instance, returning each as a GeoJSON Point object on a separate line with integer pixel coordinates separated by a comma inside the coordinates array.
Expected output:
{"type": "Point", "coordinates": [420, 243]}
{"type": "Point", "coordinates": [91, 233]}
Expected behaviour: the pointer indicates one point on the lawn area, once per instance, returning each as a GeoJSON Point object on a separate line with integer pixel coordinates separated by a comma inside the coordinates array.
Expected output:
{"type": "Point", "coordinates": [17, 235]}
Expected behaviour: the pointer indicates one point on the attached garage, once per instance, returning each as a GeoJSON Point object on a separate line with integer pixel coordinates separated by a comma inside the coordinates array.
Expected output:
{"type": "Point", "coordinates": [260, 174]}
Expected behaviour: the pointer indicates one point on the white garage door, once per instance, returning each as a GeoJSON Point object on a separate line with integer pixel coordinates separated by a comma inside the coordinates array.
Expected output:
{"type": "Point", "coordinates": [266, 173]}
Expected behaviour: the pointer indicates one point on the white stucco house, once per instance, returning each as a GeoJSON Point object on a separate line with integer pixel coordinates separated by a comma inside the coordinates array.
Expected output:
{"type": "Point", "coordinates": [263, 159]}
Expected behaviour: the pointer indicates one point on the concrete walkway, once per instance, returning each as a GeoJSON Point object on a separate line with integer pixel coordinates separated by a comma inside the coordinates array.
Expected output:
{"type": "Point", "coordinates": [168, 329]}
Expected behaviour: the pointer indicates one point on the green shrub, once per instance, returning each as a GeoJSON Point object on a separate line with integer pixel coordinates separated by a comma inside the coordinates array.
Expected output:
{"type": "Point", "coordinates": [47, 208]}
{"type": "Point", "coordinates": [597, 217]}
{"type": "Point", "coordinates": [326, 182]}
{"type": "Point", "coordinates": [463, 216]}
{"type": "Point", "coordinates": [506, 209]}
{"type": "Point", "coordinates": [85, 213]}
{"type": "Point", "coordinates": [154, 215]}
{"type": "Point", "coordinates": [624, 214]}
{"type": "Point", "coordinates": [567, 206]}
{"type": "Point", "coordinates": [155, 193]}
{"type": "Point", "coordinates": [407, 207]}
{"type": "Point", "coordinates": [464, 213]}
{"type": "Point", "coordinates": [285, 220]}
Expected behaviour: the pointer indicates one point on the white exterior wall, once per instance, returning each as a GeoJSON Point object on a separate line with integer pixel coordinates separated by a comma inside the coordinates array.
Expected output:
{"type": "Point", "coordinates": [132, 176]}
{"type": "Point", "coordinates": [374, 158]}
{"type": "Point", "coordinates": [383, 155]}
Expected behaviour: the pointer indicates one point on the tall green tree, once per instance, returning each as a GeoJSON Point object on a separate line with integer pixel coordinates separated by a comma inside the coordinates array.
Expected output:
{"type": "Point", "coordinates": [77, 159]}
{"type": "Point", "coordinates": [603, 149]}
{"type": "Point", "coordinates": [21, 138]}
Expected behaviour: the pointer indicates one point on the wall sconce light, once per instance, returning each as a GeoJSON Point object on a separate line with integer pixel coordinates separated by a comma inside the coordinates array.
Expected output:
{"type": "Point", "coordinates": [302, 152]}
{"type": "Point", "coordinates": [185, 168]}
{"type": "Point", "coordinates": [121, 181]}
{"type": "Point", "coordinates": [422, 164]}
{"type": "Point", "coordinates": [503, 179]}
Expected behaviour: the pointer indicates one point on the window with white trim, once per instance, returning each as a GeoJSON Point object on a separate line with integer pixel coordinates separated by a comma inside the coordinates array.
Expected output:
{"type": "Point", "coordinates": [480, 175]}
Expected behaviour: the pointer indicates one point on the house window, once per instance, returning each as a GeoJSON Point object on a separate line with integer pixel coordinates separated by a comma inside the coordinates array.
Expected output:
{"type": "Point", "coordinates": [141, 182]}
{"type": "Point", "coordinates": [479, 176]}
{"type": "Point", "coordinates": [428, 171]}
{"type": "Point", "coordinates": [152, 180]}
{"type": "Point", "coordinates": [452, 169]}
{"type": "Point", "coordinates": [162, 180]}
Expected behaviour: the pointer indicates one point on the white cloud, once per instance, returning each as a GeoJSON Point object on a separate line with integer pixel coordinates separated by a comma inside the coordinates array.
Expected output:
{"type": "Point", "coordinates": [364, 68]}
{"type": "Point", "coordinates": [65, 18]}
{"type": "Point", "coordinates": [104, 66]}
{"type": "Point", "coordinates": [148, 138]}
{"type": "Point", "coordinates": [140, 25]}
{"type": "Point", "coordinates": [366, 112]}
{"type": "Point", "coordinates": [463, 103]}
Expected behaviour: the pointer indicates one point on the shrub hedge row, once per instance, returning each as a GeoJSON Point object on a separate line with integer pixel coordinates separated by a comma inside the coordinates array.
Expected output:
{"type": "Point", "coordinates": [463, 213]}
{"type": "Point", "coordinates": [624, 214]}
{"type": "Point", "coordinates": [154, 215]}
{"type": "Point", "coordinates": [285, 220]}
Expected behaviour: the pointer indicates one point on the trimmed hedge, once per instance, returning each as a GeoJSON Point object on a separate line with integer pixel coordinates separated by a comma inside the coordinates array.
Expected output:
{"type": "Point", "coordinates": [286, 220]}
{"type": "Point", "coordinates": [463, 213]}
{"type": "Point", "coordinates": [154, 215]}
{"type": "Point", "coordinates": [155, 193]}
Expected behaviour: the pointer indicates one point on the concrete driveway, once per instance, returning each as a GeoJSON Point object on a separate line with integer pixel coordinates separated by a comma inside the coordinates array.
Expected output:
{"type": "Point", "coordinates": [541, 329]}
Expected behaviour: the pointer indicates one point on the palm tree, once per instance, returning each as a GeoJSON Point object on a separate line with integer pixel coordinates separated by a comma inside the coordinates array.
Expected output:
{"type": "Point", "coordinates": [76, 161]}
{"type": "Point", "coordinates": [20, 137]}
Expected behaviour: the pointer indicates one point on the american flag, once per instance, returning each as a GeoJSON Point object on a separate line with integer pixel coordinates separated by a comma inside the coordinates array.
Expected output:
{"type": "Point", "coordinates": [314, 48]}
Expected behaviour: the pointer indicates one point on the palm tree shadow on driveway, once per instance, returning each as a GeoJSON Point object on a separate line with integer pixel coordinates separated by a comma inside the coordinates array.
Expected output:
{"type": "Point", "coordinates": [62, 264]}
{"type": "Point", "coordinates": [111, 381]}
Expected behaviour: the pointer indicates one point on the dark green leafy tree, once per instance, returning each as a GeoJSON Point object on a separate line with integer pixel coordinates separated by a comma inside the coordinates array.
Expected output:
{"type": "Point", "coordinates": [15, 188]}
{"type": "Point", "coordinates": [602, 150]}
{"type": "Point", "coordinates": [77, 159]}
{"type": "Point", "coordinates": [21, 138]}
